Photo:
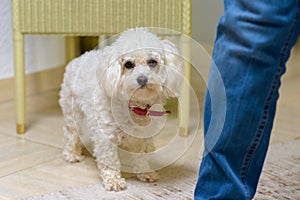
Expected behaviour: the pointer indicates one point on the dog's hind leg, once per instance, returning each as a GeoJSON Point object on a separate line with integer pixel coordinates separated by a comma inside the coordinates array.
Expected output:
{"type": "Point", "coordinates": [72, 118]}
{"type": "Point", "coordinates": [72, 150]}
{"type": "Point", "coordinates": [149, 175]}
{"type": "Point", "coordinates": [139, 158]}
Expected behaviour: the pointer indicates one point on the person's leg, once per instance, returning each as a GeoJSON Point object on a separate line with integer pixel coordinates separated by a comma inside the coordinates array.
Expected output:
{"type": "Point", "coordinates": [253, 43]}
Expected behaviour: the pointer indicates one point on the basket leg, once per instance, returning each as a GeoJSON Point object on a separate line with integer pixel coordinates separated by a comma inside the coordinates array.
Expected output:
{"type": "Point", "coordinates": [72, 48]}
{"type": "Point", "coordinates": [184, 98]}
{"type": "Point", "coordinates": [20, 87]}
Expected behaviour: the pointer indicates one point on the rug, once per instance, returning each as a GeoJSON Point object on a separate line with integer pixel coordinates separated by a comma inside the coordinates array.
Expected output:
{"type": "Point", "coordinates": [280, 180]}
{"type": "Point", "coordinates": [176, 182]}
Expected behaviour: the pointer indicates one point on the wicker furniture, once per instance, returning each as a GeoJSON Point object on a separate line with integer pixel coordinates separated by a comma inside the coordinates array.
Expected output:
{"type": "Point", "coordinates": [91, 18]}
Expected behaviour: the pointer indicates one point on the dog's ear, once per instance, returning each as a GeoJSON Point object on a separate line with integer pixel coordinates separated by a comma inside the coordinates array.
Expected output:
{"type": "Point", "coordinates": [111, 75]}
{"type": "Point", "coordinates": [174, 69]}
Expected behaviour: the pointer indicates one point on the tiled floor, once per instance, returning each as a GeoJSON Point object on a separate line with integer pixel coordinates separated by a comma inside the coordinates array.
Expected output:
{"type": "Point", "coordinates": [31, 164]}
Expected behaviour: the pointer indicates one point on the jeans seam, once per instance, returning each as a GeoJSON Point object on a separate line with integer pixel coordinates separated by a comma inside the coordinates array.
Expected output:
{"type": "Point", "coordinates": [264, 119]}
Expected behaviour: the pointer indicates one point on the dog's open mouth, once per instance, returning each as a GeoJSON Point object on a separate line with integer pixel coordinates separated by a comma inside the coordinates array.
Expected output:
{"type": "Point", "coordinates": [145, 110]}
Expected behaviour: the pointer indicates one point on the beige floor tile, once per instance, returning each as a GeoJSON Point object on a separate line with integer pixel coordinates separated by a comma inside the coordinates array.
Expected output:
{"type": "Point", "coordinates": [49, 177]}
{"type": "Point", "coordinates": [46, 130]}
{"type": "Point", "coordinates": [44, 127]}
{"type": "Point", "coordinates": [19, 154]}
{"type": "Point", "coordinates": [286, 124]}
{"type": "Point", "coordinates": [4, 138]}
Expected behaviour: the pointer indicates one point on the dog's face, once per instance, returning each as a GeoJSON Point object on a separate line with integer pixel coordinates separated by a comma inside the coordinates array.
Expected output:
{"type": "Point", "coordinates": [143, 69]}
{"type": "Point", "coordinates": [142, 79]}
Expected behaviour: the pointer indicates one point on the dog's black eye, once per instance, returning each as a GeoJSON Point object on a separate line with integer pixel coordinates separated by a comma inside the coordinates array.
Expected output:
{"type": "Point", "coordinates": [152, 63]}
{"type": "Point", "coordinates": [129, 65]}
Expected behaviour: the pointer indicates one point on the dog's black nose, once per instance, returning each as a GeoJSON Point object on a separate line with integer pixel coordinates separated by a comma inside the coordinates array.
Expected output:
{"type": "Point", "coordinates": [142, 80]}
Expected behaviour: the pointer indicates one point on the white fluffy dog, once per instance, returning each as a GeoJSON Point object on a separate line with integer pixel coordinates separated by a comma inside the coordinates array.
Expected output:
{"type": "Point", "coordinates": [112, 90]}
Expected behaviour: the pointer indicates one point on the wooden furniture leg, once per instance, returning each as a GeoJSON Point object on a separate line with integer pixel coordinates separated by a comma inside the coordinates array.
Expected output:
{"type": "Point", "coordinates": [184, 99]}
{"type": "Point", "coordinates": [20, 88]}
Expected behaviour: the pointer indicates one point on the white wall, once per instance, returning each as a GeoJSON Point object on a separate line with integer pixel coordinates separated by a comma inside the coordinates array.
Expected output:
{"type": "Point", "coordinates": [41, 52]}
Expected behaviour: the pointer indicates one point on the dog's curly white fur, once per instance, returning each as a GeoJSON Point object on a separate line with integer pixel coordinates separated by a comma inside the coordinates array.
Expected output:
{"type": "Point", "coordinates": [137, 70]}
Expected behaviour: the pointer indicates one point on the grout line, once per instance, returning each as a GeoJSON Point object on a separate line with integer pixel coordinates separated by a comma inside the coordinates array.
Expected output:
{"type": "Point", "coordinates": [31, 167]}
{"type": "Point", "coordinates": [19, 137]}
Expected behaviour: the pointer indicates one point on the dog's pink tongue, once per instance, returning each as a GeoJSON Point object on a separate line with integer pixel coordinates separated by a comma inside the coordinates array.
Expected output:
{"type": "Point", "coordinates": [146, 111]}
{"type": "Point", "coordinates": [140, 111]}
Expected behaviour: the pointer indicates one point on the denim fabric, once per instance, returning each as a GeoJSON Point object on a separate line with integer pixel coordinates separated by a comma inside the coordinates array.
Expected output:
{"type": "Point", "coordinates": [253, 43]}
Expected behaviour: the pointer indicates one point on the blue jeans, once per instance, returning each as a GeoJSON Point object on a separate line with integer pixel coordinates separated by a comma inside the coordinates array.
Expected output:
{"type": "Point", "coordinates": [253, 43]}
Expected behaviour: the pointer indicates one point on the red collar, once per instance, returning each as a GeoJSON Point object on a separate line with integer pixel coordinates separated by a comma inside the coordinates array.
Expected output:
{"type": "Point", "coordinates": [147, 112]}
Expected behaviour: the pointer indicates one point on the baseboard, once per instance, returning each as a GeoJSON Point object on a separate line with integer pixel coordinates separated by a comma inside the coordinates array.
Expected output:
{"type": "Point", "coordinates": [36, 83]}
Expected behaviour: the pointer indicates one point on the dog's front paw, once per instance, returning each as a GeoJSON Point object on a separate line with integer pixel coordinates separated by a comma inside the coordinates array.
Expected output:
{"type": "Point", "coordinates": [112, 179]}
{"type": "Point", "coordinates": [72, 158]}
{"type": "Point", "coordinates": [114, 184]}
{"type": "Point", "coordinates": [148, 177]}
